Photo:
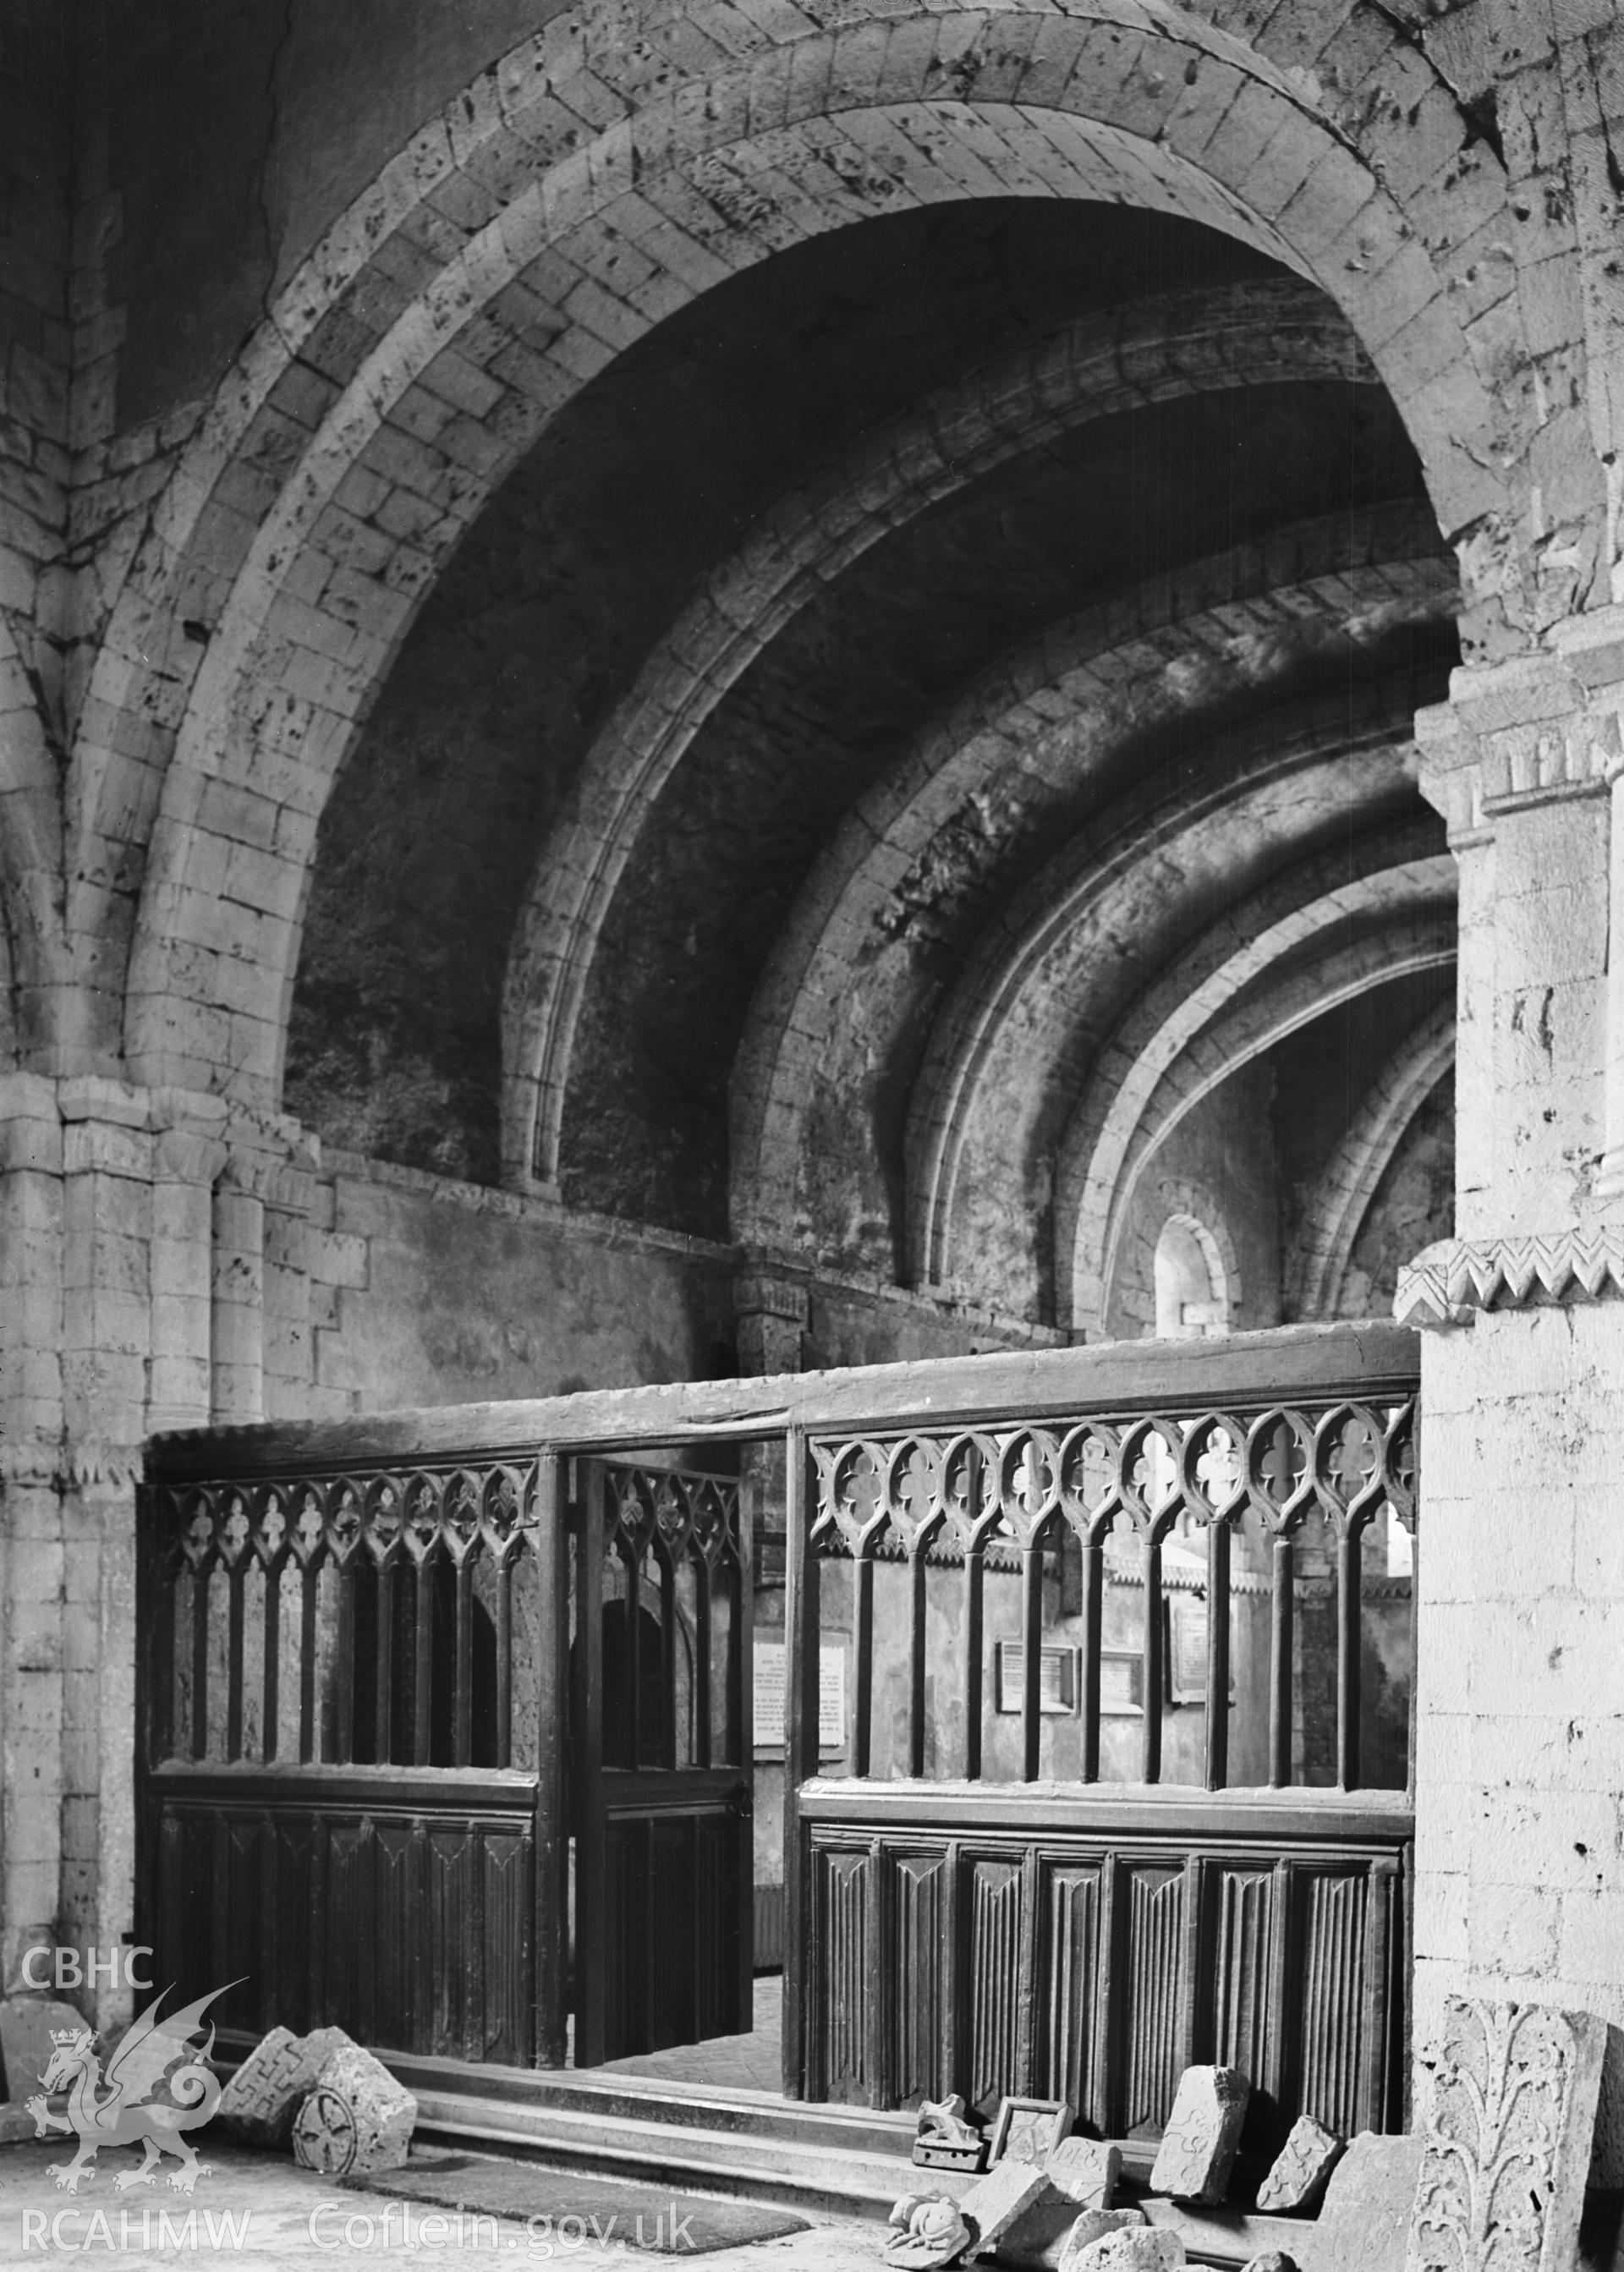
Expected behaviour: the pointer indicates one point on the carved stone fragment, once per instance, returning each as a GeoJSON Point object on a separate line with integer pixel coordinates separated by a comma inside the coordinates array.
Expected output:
{"type": "Point", "coordinates": [1197, 2152]}
{"type": "Point", "coordinates": [933, 2233]}
{"type": "Point", "coordinates": [1040, 2237]}
{"type": "Point", "coordinates": [994, 2203]}
{"type": "Point", "coordinates": [1085, 2171]}
{"type": "Point", "coordinates": [1272, 2260]}
{"type": "Point", "coordinates": [1508, 2147]}
{"type": "Point", "coordinates": [1134, 2249]}
{"type": "Point", "coordinates": [1364, 2222]}
{"type": "Point", "coordinates": [260, 2101]}
{"type": "Point", "coordinates": [357, 2118]}
{"type": "Point", "coordinates": [1302, 2167]}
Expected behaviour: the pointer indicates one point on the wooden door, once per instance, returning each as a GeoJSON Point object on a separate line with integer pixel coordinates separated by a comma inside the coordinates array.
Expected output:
{"type": "Point", "coordinates": [661, 1760]}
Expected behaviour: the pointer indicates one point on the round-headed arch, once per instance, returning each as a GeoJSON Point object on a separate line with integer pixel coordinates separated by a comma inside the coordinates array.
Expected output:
{"type": "Point", "coordinates": [592, 195]}
{"type": "Point", "coordinates": [1348, 1182]}
{"type": "Point", "coordinates": [1036, 736]}
{"type": "Point", "coordinates": [1155, 350]}
{"type": "Point", "coordinates": [1413, 931]}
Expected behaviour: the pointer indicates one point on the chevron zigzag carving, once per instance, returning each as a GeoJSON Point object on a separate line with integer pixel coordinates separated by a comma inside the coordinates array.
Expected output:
{"type": "Point", "coordinates": [1446, 1283]}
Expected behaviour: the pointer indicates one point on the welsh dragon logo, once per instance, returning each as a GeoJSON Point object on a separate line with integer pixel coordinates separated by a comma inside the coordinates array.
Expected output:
{"type": "Point", "coordinates": [129, 2115]}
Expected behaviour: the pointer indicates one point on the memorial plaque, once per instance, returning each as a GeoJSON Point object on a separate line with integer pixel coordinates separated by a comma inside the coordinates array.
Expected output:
{"type": "Point", "coordinates": [1508, 2147]}
{"type": "Point", "coordinates": [1198, 2150]}
{"type": "Point", "coordinates": [769, 1664]}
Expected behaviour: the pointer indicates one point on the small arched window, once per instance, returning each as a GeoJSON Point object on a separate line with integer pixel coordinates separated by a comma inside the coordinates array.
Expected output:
{"type": "Point", "coordinates": [1192, 1296]}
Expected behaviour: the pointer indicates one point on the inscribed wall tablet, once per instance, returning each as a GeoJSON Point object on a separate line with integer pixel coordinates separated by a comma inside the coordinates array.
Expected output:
{"type": "Point", "coordinates": [1508, 2140]}
{"type": "Point", "coordinates": [1198, 2150]}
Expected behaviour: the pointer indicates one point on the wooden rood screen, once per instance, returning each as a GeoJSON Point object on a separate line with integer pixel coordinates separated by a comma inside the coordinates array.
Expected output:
{"type": "Point", "coordinates": [1111, 1778]}
{"type": "Point", "coordinates": [1071, 1925]}
{"type": "Point", "coordinates": [362, 1777]}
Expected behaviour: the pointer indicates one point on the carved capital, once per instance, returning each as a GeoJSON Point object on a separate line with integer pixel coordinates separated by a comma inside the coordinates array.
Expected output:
{"type": "Point", "coordinates": [1448, 1283]}
{"type": "Point", "coordinates": [763, 1293]}
{"type": "Point", "coordinates": [188, 1156]}
{"type": "Point", "coordinates": [1535, 730]}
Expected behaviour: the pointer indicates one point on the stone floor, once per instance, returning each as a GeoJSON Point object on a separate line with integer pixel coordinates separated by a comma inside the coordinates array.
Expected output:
{"type": "Point", "coordinates": [261, 2213]}
{"type": "Point", "coordinates": [749, 2062]}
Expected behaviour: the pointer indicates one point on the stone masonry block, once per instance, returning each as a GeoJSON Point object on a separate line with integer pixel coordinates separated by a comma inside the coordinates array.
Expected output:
{"type": "Point", "coordinates": [1513, 2114]}
{"type": "Point", "coordinates": [1198, 2148]}
{"type": "Point", "coordinates": [1135, 2248]}
{"type": "Point", "coordinates": [1302, 2169]}
{"type": "Point", "coordinates": [357, 2118]}
{"type": "Point", "coordinates": [260, 2101]}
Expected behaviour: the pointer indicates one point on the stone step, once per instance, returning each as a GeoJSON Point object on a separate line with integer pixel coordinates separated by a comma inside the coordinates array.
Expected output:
{"type": "Point", "coordinates": [823, 2160]}
{"type": "Point", "coordinates": [829, 2161]}
{"type": "Point", "coordinates": [816, 2177]}
{"type": "Point", "coordinates": [615, 2096]}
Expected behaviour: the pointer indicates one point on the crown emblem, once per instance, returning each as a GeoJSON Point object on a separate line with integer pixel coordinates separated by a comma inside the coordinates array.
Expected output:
{"type": "Point", "coordinates": [69, 2035]}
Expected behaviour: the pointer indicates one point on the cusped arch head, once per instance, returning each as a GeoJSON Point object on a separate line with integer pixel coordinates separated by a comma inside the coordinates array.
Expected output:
{"type": "Point", "coordinates": [567, 200]}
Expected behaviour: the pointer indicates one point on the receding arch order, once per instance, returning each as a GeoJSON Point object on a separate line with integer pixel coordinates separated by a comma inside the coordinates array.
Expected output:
{"type": "Point", "coordinates": [1155, 350]}
{"type": "Point", "coordinates": [1170, 1050]}
{"type": "Point", "coordinates": [607, 203]}
{"type": "Point", "coordinates": [1051, 982]}
{"type": "Point", "coordinates": [1038, 727]}
{"type": "Point", "coordinates": [1341, 1199]}
{"type": "Point", "coordinates": [1420, 937]}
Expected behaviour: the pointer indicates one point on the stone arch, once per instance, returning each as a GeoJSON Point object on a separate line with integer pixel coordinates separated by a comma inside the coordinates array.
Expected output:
{"type": "Point", "coordinates": [578, 191]}
{"type": "Point", "coordinates": [1195, 636]}
{"type": "Point", "coordinates": [1423, 940]}
{"type": "Point", "coordinates": [1089, 934]}
{"type": "Point", "coordinates": [1347, 1185]}
{"type": "Point", "coordinates": [1193, 1226]}
{"type": "Point", "coordinates": [1152, 351]}
{"type": "Point", "coordinates": [1387, 873]}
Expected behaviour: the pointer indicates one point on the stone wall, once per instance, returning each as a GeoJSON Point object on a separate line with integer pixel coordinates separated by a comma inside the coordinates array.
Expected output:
{"type": "Point", "coordinates": [1520, 1826]}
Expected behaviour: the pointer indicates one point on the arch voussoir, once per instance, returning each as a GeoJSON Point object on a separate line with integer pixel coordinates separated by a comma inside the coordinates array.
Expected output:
{"type": "Point", "coordinates": [682, 174]}
{"type": "Point", "coordinates": [1222, 1003]}
{"type": "Point", "coordinates": [1033, 732]}
{"type": "Point", "coordinates": [1341, 1199]}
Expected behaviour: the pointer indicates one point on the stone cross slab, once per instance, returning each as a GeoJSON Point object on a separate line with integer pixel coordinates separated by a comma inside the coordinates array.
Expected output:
{"type": "Point", "coordinates": [1508, 2141]}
